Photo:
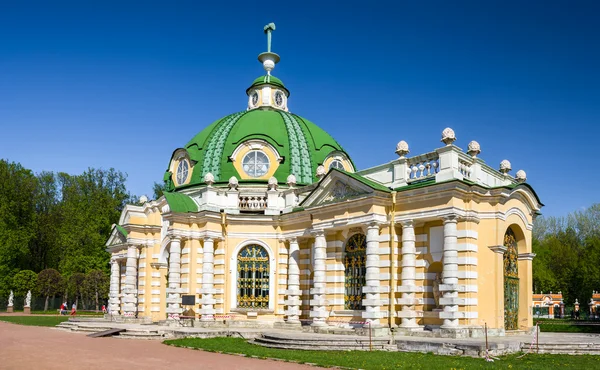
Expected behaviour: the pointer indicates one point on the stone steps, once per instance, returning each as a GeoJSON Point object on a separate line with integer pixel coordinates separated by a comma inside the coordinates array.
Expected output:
{"type": "Point", "coordinates": [139, 334]}
{"type": "Point", "coordinates": [566, 348]}
{"type": "Point", "coordinates": [322, 343]}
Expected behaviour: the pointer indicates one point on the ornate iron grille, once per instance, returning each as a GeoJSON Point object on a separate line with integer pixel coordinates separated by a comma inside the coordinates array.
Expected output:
{"type": "Point", "coordinates": [511, 282]}
{"type": "Point", "coordinates": [253, 277]}
{"type": "Point", "coordinates": [355, 270]}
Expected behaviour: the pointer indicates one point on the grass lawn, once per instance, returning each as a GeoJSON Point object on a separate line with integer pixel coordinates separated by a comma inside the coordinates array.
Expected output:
{"type": "Point", "coordinates": [387, 360]}
{"type": "Point", "coordinates": [35, 320]}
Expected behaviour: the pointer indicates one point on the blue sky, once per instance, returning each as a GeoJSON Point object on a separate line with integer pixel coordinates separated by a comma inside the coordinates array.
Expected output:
{"type": "Point", "coordinates": [123, 84]}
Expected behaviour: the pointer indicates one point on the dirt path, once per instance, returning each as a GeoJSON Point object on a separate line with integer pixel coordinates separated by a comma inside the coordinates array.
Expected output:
{"type": "Point", "coordinates": [30, 347]}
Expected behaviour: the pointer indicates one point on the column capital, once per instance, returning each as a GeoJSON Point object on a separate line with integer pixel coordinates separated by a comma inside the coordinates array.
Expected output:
{"type": "Point", "coordinates": [375, 225]}
{"type": "Point", "coordinates": [318, 233]}
{"type": "Point", "coordinates": [451, 218]}
{"type": "Point", "coordinates": [407, 223]}
{"type": "Point", "coordinates": [288, 239]}
{"type": "Point", "coordinates": [500, 249]}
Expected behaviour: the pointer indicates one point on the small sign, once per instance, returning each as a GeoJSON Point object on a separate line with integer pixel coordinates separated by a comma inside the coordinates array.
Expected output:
{"type": "Point", "coordinates": [188, 300]}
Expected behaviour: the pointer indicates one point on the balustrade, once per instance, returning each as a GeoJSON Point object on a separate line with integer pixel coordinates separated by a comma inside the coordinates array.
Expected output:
{"type": "Point", "coordinates": [252, 202]}
{"type": "Point", "coordinates": [464, 167]}
{"type": "Point", "coordinates": [422, 167]}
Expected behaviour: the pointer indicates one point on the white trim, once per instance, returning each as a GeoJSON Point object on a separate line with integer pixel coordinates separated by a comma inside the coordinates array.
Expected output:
{"type": "Point", "coordinates": [467, 234]}
{"type": "Point", "coordinates": [233, 272]}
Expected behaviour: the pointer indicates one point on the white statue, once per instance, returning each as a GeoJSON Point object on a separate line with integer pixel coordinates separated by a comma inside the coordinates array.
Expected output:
{"type": "Point", "coordinates": [436, 290]}
{"type": "Point", "coordinates": [28, 299]}
{"type": "Point", "coordinates": [11, 298]}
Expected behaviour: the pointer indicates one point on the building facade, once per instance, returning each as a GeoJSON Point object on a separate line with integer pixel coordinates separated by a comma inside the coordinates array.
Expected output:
{"type": "Point", "coordinates": [548, 305]}
{"type": "Point", "coordinates": [266, 218]}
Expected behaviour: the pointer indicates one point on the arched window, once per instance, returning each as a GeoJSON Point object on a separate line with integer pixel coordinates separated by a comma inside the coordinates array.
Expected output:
{"type": "Point", "coordinates": [253, 277]}
{"type": "Point", "coordinates": [336, 163]}
{"type": "Point", "coordinates": [355, 270]}
{"type": "Point", "coordinates": [511, 281]}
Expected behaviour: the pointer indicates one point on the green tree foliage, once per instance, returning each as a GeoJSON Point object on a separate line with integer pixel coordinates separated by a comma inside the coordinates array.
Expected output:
{"type": "Point", "coordinates": [568, 254]}
{"type": "Point", "coordinates": [17, 220]}
{"type": "Point", "coordinates": [57, 221]}
{"type": "Point", "coordinates": [49, 284]}
{"type": "Point", "coordinates": [75, 287]}
{"type": "Point", "coordinates": [24, 281]}
{"type": "Point", "coordinates": [96, 285]}
{"type": "Point", "coordinates": [158, 189]}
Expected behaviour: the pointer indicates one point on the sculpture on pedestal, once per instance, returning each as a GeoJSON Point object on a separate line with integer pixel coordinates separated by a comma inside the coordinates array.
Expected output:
{"type": "Point", "coordinates": [28, 299]}
{"type": "Point", "coordinates": [11, 298]}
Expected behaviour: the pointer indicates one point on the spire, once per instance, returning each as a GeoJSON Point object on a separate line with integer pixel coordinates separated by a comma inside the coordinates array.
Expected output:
{"type": "Point", "coordinates": [269, 59]}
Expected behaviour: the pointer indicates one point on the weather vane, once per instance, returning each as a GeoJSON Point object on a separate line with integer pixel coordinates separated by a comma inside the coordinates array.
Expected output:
{"type": "Point", "coordinates": [268, 29]}
{"type": "Point", "coordinates": [268, 58]}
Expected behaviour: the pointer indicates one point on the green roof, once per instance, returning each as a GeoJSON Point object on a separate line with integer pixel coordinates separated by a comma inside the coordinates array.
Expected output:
{"type": "Point", "coordinates": [180, 203]}
{"type": "Point", "coordinates": [268, 80]}
{"type": "Point", "coordinates": [302, 145]}
{"type": "Point", "coordinates": [370, 183]}
{"type": "Point", "coordinates": [122, 230]}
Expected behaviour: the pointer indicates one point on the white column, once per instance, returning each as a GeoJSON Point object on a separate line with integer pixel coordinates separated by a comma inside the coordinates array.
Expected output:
{"type": "Point", "coordinates": [115, 276]}
{"type": "Point", "coordinates": [208, 276]}
{"type": "Point", "coordinates": [293, 289]}
{"type": "Point", "coordinates": [130, 289]}
{"type": "Point", "coordinates": [173, 290]}
{"type": "Point", "coordinates": [408, 288]}
{"type": "Point", "coordinates": [449, 285]}
{"type": "Point", "coordinates": [372, 301]}
{"type": "Point", "coordinates": [318, 302]}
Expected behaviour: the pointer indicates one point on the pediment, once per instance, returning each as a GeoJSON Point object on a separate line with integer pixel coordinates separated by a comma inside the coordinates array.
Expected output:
{"type": "Point", "coordinates": [334, 188]}
{"type": "Point", "coordinates": [116, 238]}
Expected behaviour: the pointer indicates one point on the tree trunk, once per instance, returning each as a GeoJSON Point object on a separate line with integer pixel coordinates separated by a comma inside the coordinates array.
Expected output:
{"type": "Point", "coordinates": [96, 301]}
{"type": "Point", "coordinates": [46, 304]}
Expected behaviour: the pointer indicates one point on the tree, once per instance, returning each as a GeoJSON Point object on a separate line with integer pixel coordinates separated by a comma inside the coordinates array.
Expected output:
{"type": "Point", "coordinates": [75, 286]}
{"type": "Point", "coordinates": [49, 284]}
{"type": "Point", "coordinates": [96, 285]}
{"type": "Point", "coordinates": [91, 203]}
{"type": "Point", "coordinates": [24, 281]}
{"type": "Point", "coordinates": [17, 219]}
{"type": "Point", "coordinates": [158, 190]}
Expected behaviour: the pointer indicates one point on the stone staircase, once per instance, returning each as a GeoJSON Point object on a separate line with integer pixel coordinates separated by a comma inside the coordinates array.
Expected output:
{"type": "Point", "coordinates": [322, 342]}
{"type": "Point", "coordinates": [565, 348]}
{"type": "Point", "coordinates": [140, 334]}
{"type": "Point", "coordinates": [90, 328]}
{"type": "Point", "coordinates": [77, 327]}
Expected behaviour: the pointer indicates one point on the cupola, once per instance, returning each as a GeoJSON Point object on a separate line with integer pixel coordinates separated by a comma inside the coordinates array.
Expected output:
{"type": "Point", "coordinates": [268, 91]}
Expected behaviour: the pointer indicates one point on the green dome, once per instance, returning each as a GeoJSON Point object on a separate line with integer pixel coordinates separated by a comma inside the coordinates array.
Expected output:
{"type": "Point", "coordinates": [268, 80]}
{"type": "Point", "coordinates": [302, 145]}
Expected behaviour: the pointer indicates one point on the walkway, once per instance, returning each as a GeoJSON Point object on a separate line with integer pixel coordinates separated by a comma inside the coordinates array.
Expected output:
{"type": "Point", "coordinates": [29, 347]}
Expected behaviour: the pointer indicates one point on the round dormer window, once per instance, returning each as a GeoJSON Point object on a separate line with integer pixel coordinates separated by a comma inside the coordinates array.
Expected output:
{"type": "Point", "coordinates": [183, 169]}
{"type": "Point", "coordinates": [254, 98]}
{"type": "Point", "coordinates": [279, 99]}
{"type": "Point", "coordinates": [336, 163]}
{"type": "Point", "coordinates": [255, 163]}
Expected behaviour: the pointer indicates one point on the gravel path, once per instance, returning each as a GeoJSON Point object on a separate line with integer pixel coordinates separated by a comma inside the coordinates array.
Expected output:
{"type": "Point", "coordinates": [30, 347]}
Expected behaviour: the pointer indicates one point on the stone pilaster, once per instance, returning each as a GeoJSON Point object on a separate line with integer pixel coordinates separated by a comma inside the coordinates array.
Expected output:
{"type": "Point", "coordinates": [318, 302]}
{"type": "Point", "coordinates": [208, 276]}
{"type": "Point", "coordinates": [174, 288]}
{"type": "Point", "coordinates": [449, 286]}
{"type": "Point", "coordinates": [408, 288]}
{"type": "Point", "coordinates": [372, 301]}
{"type": "Point", "coordinates": [293, 291]}
{"type": "Point", "coordinates": [114, 301]}
{"type": "Point", "coordinates": [130, 288]}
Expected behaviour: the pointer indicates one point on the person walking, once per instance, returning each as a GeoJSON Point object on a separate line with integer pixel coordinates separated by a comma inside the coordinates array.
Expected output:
{"type": "Point", "coordinates": [73, 309]}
